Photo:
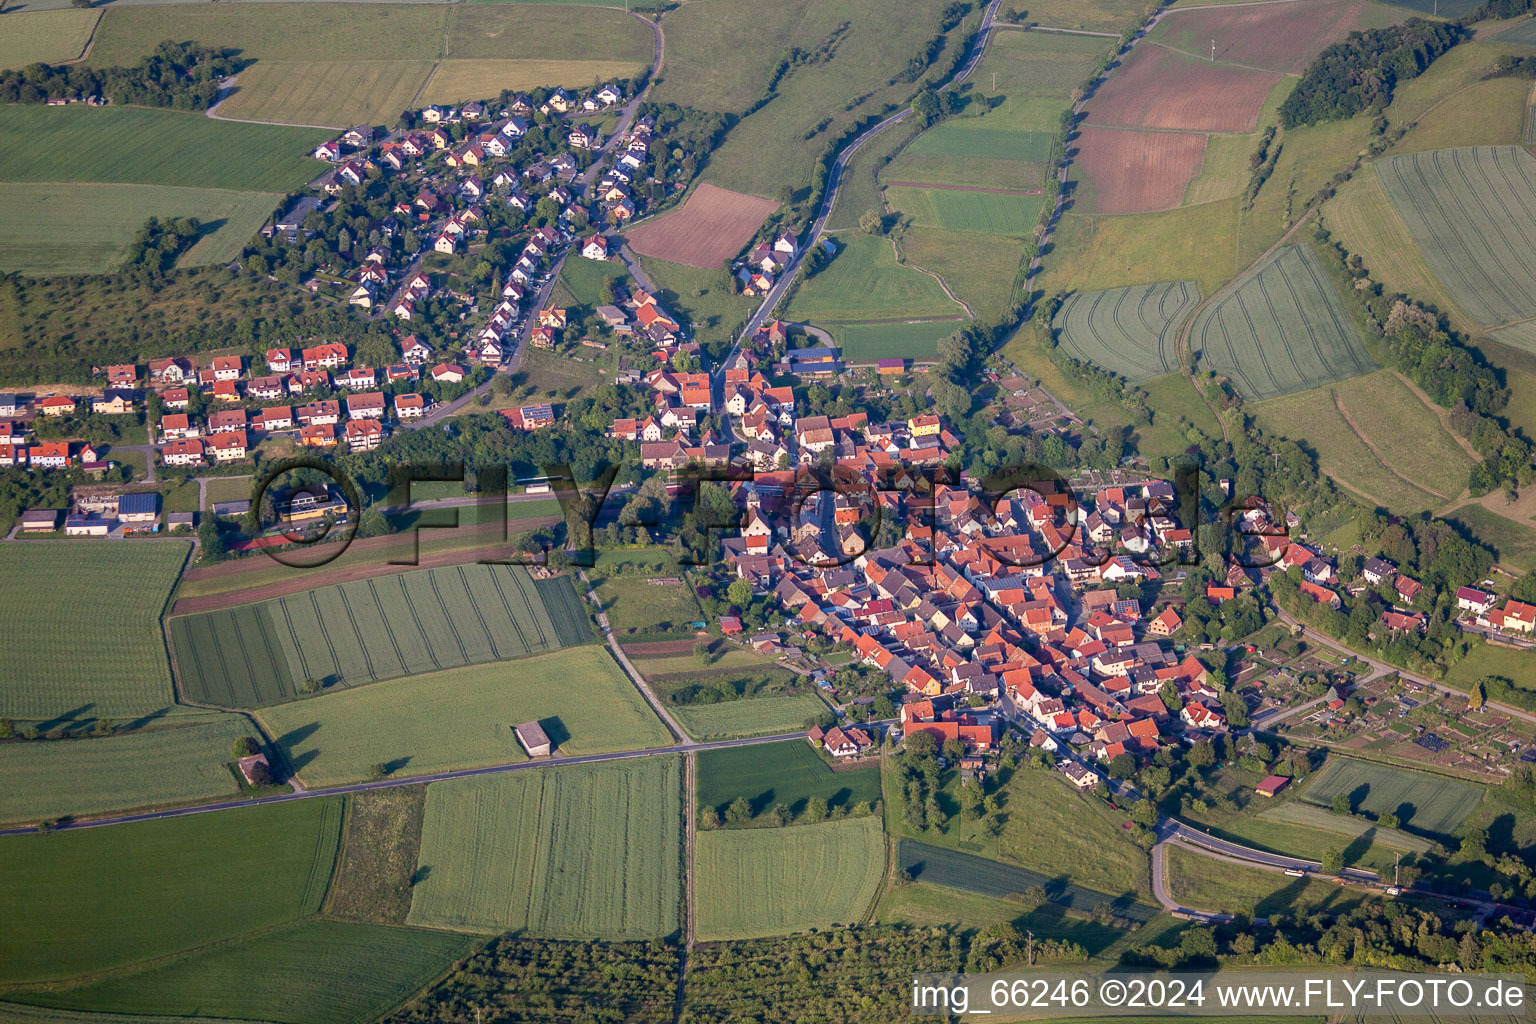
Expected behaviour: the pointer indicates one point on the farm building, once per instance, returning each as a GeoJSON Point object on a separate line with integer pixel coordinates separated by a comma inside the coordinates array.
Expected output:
{"type": "Point", "coordinates": [531, 736]}
{"type": "Point", "coordinates": [40, 520]}
{"type": "Point", "coordinates": [139, 507]}
{"type": "Point", "coordinates": [1272, 785]}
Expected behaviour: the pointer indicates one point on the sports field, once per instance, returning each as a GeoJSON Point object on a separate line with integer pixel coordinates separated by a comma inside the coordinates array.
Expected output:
{"type": "Point", "coordinates": [993, 878]}
{"type": "Point", "coordinates": [749, 716]}
{"type": "Point", "coordinates": [898, 339]}
{"type": "Point", "coordinates": [774, 774]}
{"type": "Point", "coordinates": [93, 634]}
{"type": "Point", "coordinates": [179, 759]}
{"type": "Point", "coordinates": [1426, 804]}
{"type": "Point", "coordinates": [990, 213]}
{"type": "Point", "coordinates": [1279, 329]}
{"type": "Point", "coordinates": [47, 36]}
{"type": "Point", "coordinates": [78, 902]}
{"type": "Point", "coordinates": [315, 972]}
{"type": "Point", "coordinates": [463, 718]}
{"type": "Point", "coordinates": [381, 628]}
{"type": "Point", "coordinates": [71, 228]}
{"type": "Point", "coordinates": [864, 281]}
{"type": "Point", "coordinates": [580, 851]}
{"type": "Point", "coordinates": [773, 881]}
{"type": "Point", "coordinates": [1129, 331]}
{"type": "Point", "coordinates": [1473, 213]}
{"type": "Point", "coordinates": [144, 146]}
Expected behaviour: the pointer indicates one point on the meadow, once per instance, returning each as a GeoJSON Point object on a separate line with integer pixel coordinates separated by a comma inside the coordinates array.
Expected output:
{"type": "Point", "coordinates": [94, 646]}
{"type": "Point", "coordinates": [898, 339]}
{"type": "Point", "coordinates": [580, 851]}
{"type": "Point", "coordinates": [1279, 329]}
{"type": "Point", "coordinates": [749, 716]}
{"type": "Point", "coordinates": [1426, 804]}
{"type": "Point", "coordinates": [80, 902]}
{"type": "Point", "coordinates": [989, 213]}
{"type": "Point", "coordinates": [463, 718]}
{"type": "Point", "coordinates": [787, 773]}
{"type": "Point", "coordinates": [176, 759]}
{"type": "Point", "coordinates": [957, 870]}
{"type": "Point", "coordinates": [1195, 243]}
{"type": "Point", "coordinates": [380, 843]}
{"type": "Point", "coordinates": [1204, 883]}
{"type": "Point", "coordinates": [925, 905]}
{"type": "Point", "coordinates": [634, 605]}
{"type": "Point", "coordinates": [1130, 331]}
{"type": "Point", "coordinates": [864, 281]}
{"type": "Point", "coordinates": [51, 37]}
{"type": "Point", "coordinates": [348, 634]}
{"type": "Point", "coordinates": [588, 282]}
{"type": "Point", "coordinates": [72, 228]}
{"type": "Point", "coordinates": [982, 270]}
{"type": "Point", "coordinates": [773, 881]}
{"type": "Point", "coordinates": [1473, 214]}
{"type": "Point", "coordinates": [314, 972]}
{"type": "Point", "coordinates": [144, 146]}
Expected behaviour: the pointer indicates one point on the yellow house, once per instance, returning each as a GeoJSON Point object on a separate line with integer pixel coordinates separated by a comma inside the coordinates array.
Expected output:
{"type": "Point", "coordinates": [925, 425]}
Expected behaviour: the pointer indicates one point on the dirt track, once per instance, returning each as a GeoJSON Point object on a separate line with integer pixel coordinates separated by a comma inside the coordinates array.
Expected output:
{"type": "Point", "coordinates": [381, 547]}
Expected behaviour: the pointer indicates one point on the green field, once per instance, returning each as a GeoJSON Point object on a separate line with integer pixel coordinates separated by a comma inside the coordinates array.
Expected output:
{"type": "Point", "coordinates": [773, 881]}
{"type": "Point", "coordinates": [982, 270]}
{"type": "Point", "coordinates": [142, 146]}
{"type": "Point", "coordinates": [1130, 331]}
{"type": "Point", "coordinates": [1204, 883]}
{"type": "Point", "coordinates": [51, 37]}
{"type": "Point", "coordinates": [1299, 813]}
{"type": "Point", "coordinates": [1425, 804]}
{"type": "Point", "coordinates": [750, 716]}
{"type": "Point", "coordinates": [787, 773]}
{"type": "Point", "coordinates": [1194, 243]}
{"type": "Point", "coordinates": [901, 339]}
{"type": "Point", "coordinates": [315, 972]}
{"type": "Point", "coordinates": [633, 604]}
{"type": "Point", "coordinates": [864, 281]}
{"type": "Point", "coordinates": [382, 628]}
{"type": "Point", "coordinates": [1473, 214]}
{"type": "Point", "coordinates": [1279, 329]}
{"type": "Point", "coordinates": [71, 228]}
{"type": "Point", "coordinates": [319, 92]}
{"type": "Point", "coordinates": [1521, 336]}
{"type": "Point", "coordinates": [463, 718]}
{"type": "Point", "coordinates": [178, 759]}
{"type": "Point", "coordinates": [588, 280]}
{"type": "Point", "coordinates": [1512, 540]}
{"type": "Point", "coordinates": [988, 213]}
{"type": "Point", "coordinates": [78, 902]}
{"type": "Point", "coordinates": [958, 870]}
{"type": "Point", "coordinates": [581, 851]}
{"type": "Point", "coordinates": [93, 643]}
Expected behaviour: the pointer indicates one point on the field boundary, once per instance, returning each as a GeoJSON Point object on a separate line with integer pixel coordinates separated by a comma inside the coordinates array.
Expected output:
{"type": "Point", "coordinates": [1338, 403]}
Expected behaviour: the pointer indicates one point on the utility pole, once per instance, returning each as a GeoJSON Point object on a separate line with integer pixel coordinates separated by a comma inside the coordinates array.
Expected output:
{"type": "Point", "coordinates": [1213, 45]}
{"type": "Point", "coordinates": [1398, 859]}
{"type": "Point", "coordinates": [994, 80]}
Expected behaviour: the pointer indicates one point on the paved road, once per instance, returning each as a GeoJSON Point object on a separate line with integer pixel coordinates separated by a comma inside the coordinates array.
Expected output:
{"type": "Point", "coordinates": [632, 108]}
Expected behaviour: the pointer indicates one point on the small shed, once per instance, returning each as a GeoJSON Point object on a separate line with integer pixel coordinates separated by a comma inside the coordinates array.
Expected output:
{"type": "Point", "coordinates": [535, 742]}
{"type": "Point", "coordinates": [1272, 785]}
{"type": "Point", "coordinates": [181, 520]}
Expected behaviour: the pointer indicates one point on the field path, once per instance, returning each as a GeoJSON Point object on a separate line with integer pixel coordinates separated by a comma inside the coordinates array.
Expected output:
{"type": "Point", "coordinates": [968, 188]}
{"type": "Point", "coordinates": [1338, 403]}
{"type": "Point", "coordinates": [904, 262]}
{"type": "Point", "coordinates": [690, 843]}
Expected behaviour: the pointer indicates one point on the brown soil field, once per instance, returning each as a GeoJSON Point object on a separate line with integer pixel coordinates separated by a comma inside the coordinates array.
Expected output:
{"type": "Point", "coordinates": [1137, 172]}
{"type": "Point", "coordinates": [1275, 37]}
{"type": "Point", "coordinates": [659, 648]}
{"type": "Point", "coordinates": [1158, 88]}
{"type": "Point", "coordinates": [379, 548]}
{"type": "Point", "coordinates": [710, 227]}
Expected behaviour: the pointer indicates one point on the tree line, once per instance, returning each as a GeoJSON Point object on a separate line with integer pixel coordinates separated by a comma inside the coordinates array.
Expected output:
{"type": "Point", "coordinates": [183, 76]}
{"type": "Point", "coordinates": [1361, 72]}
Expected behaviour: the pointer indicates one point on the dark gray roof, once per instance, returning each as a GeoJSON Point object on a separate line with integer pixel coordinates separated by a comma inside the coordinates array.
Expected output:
{"type": "Point", "coordinates": [138, 503]}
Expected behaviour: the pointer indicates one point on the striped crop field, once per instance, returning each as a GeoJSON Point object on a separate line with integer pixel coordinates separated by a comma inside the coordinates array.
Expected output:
{"type": "Point", "coordinates": [952, 209]}
{"type": "Point", "coordinates": [463, 717]}
{"type": "Point", "coordinates": [578, 851]}
{"type": "Point", "coordinates": [1423, 803]}
{"type": "Point", "coordinates": [1473, 213]}
{"type": "Point", "coordinates": [1279, 329]}
{"type": "Point", "coordinates": [367, 630]}
{"type": "Point", "coordinates": [749, 716]}
{"type": "Point", "coordinates": [81, 902]}
{"type": "Point", "coordinates": [93, 643]}
{"type": "Point", "coordinates": [993, 878]}
{"type": "Point", "coordinates": [314, 972]}
{"type": "Point", "coordinates": [1129, 331]}
{"type": "Point", "coordinates": [179, 759]}
{"type": "Point", "coordinates": [772, 881]}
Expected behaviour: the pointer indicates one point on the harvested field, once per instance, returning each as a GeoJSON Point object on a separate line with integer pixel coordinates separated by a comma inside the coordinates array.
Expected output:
{"type": "Point", "coordinates": [1423, 803]}
{"type": "Point", "coordinates": [581, 851]}
{"type": "Point", "coordinates": [1274, 37]}
{"type": "Point", "coordinates": [335, 93]}
{"type": "Point", "coordinates": [1129, 331]}
{"type": "Point", "coordinates": [48, 36]}
{"type": "Point", "coordinates": [464, 717]}
{"type": "Point", "coordinates": [362, 632]}
{"type": "Point", "coordinates": [712, 225]}
{"type": "Point", "coordinates": [1473, 214]}
{"type": "Point", "coordinates": [1281, 328]}
{"type": "Point", "coordinates": [1157, 88]}
{"type": "Point", "coordinates": [773, 881]}
{"type": "Point", "coordinates": [1136, 172]}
